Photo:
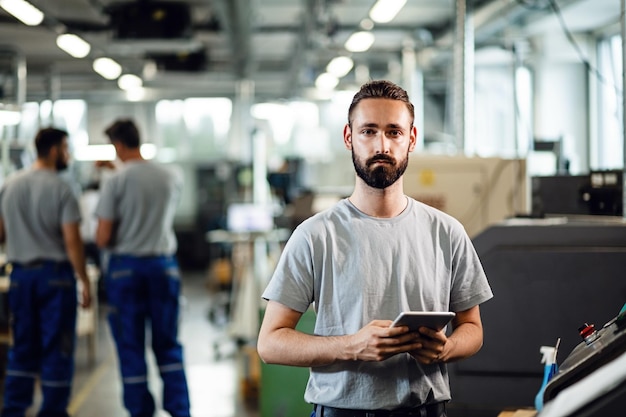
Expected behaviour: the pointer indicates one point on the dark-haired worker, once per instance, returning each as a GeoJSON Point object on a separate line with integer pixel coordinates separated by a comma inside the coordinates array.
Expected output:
{"type": "Point", "coordinates": [40, 222]}
{"type": "Point", "coordinates": [135, 224]}
{"type": "Point", "coordinates": [362, 262]}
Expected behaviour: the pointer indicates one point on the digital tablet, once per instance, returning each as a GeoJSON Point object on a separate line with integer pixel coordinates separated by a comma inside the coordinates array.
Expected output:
{"type": "Point", "coordinates": [436, 320]}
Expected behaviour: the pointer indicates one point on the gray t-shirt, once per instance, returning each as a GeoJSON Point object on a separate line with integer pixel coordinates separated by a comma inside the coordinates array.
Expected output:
{"type": "Point", "coordinates": [34, 204]}
{"type": "Point", "coordinates": [141, 199]}
{"type": "Point", "coordinates": [355, 269]}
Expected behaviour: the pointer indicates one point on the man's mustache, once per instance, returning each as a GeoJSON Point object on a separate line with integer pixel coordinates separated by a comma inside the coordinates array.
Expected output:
{"type": "Point", "coordinates": [381, 158]}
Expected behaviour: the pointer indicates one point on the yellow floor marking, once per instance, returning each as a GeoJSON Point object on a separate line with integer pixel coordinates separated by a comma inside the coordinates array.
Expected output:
{"type": "Point", "coordinates": [89, 385]}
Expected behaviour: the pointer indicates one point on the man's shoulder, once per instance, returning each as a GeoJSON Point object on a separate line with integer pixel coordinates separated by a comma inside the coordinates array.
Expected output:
{"type": "Point", "coordinates": [434, 216]}
{"type": "Point", "coordinates": [322, 220]}
{"type": "Point", "coordinates": [25, 177]}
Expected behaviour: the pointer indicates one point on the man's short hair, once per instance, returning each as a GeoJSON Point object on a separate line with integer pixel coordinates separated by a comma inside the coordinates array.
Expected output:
{"type": "Point", "coordinates": [381, 89]}
{"type": "Point", "coordinates": [47, 138]}
{"type": "Point", "coordinates": [124, 131]}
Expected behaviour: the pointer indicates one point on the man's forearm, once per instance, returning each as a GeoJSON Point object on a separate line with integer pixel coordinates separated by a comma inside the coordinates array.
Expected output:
{"type": "Point", "coordinates": [294, 348]}
{"type": "Point", "coordinates": [75, 250]}
{"type": "Point", "coordinates": [465, 341]}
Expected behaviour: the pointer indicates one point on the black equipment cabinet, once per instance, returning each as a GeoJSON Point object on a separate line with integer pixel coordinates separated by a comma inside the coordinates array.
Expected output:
{"type": "Point", "coordinates": [548, 277]}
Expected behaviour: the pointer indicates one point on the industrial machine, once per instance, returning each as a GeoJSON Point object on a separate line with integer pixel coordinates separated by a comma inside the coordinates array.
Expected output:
{"type": "Point", "coordinates": [477, 191]}
{"type": "Point", "coordinates": [548, 276]}
{"type": "Point", "coordinates": [591, 381]}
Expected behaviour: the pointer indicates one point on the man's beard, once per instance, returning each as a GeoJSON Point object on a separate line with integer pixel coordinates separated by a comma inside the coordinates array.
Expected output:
{"type": "Point", "coordinates": [60, 164]}
{"type": "Point", "coordinates": [382, 175]}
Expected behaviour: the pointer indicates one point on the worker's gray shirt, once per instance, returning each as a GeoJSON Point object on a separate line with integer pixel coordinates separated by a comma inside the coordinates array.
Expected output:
{"type": "Point", "coordinates": [355, 269]}
{"type": "Point", "coordinates": [141, 199]}
{"type": "Point", "coordinates": [34, 204]}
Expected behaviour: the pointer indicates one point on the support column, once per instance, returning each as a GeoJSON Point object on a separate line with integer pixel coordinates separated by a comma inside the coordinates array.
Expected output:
{"type": "Point", "coordinates": [413, 83]}
{"type": "Point", "coordinates": [463, 91]}
{"type": "Point", "coordinates": [240, 143]}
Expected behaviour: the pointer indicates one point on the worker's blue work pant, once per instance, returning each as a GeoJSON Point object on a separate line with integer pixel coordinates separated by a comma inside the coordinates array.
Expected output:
{"type": "Point", "coordinates": [144, 291]}
{"type": "Point", "coordinates": [42, 303]}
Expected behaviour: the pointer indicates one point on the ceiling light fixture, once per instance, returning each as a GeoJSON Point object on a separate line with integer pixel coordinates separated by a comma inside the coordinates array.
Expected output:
{"type": "Point", "coordinates": [359, 41]}
{"type": "Point", "coordinates": [385, 11]}
{"type": "Point", "coordinates": [326, 82]}
{"type": "Point", "coordinates": [135, 94]}
{"type": "Point", "coordinates": [10, 117]}
{"type": "Point", "coordinates": [73, 45]}
{"type": "Point", "coordinates": [107, 67]}
{"type": "Point", "coordinates": [339, 66]}
{"type": "Point", "coordinates": [23, 11]}
{"type": "Point", "coordinates": [129, 82]}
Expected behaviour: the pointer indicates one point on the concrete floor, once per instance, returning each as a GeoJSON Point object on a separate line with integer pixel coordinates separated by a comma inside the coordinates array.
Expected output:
{"type": "Point", "coordinates": [217, 369]}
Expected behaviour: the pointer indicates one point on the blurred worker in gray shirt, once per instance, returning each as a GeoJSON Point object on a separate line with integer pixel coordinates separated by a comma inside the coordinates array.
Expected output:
{"type": "Point", "coordinates": [40, 221]}
{"type": "Point", "coordinates": [135, 223]}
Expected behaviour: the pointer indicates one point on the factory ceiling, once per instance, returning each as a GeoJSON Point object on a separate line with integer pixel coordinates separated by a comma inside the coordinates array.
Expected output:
{"type": "Point", "coordinates": [187, 48]}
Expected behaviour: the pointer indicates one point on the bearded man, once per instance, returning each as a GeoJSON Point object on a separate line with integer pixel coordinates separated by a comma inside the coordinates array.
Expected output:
{"type": "Point", "coordinates": [40, 222]}
{"type": "Point", "coordinates": [362, 262]}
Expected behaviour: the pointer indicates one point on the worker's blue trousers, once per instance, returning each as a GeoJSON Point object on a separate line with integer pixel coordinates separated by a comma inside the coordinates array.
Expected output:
{"type": "Point", "coordinates": [42, 304]}
{"type": "Point", "coordinates": [144, 291]}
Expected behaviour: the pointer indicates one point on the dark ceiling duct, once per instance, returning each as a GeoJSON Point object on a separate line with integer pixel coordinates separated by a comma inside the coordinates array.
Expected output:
{"type": "Point", "coordinates": [150, 20]}
{"type": "Point", "coordinates": [184, 61]}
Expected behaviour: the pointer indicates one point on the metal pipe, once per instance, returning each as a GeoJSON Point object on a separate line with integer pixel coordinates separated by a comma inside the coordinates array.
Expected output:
{"type": "Point", "coordinates": [623, 27]}
{"type": "Point", "coordinates": [463, 67]}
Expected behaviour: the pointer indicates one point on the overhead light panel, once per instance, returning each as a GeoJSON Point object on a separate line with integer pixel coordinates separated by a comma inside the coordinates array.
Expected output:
{"type": "Point", "coordinates": [340, 66]}
{"type": "Point", "coordinates": [135, 94]}
{"type": "Point", "coordinates": [359, 41]}
{"type": "Point", "coordinates": [107, 67]}
{"type": "Point", "coordinates": [73, 45]}
{"type": "Point", "coordinates": [326, 82]}
{"type": "Point", "coordinates": [94, 153]}
{"type": "Point", "coordinates": [10, 117]}
{"type": "Point", "coordinates": [23, 11]}
{"type": "Point", "coordinates": [385, 10]}
{"type": "Point", "coordinates": [129, 82]}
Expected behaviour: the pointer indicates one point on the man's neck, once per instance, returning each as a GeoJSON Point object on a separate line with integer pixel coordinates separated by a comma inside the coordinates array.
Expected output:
{"type": "Point", "coordinates": [44, 164]}
{"type": "Point", "coordinates": [384, 203]}
{"type": "Point", "coordinates": [131, 155]}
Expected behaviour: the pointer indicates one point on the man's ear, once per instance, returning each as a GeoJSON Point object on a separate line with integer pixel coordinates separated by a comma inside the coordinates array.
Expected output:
{"type": "Point", "coordinates": [347, 136]}
{"type": "Point", "coordinates": [54, 152]}
{"type": "Point", "coordinates": [413, 139]}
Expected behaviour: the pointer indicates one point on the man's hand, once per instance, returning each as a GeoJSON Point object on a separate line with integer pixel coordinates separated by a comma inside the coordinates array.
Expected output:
{"type": "Point", "coordinates": [377, 341]}
{"type": "Point", "coordinates": [433, 348]}
{"type": "Point", "coordinates": [85, 295]}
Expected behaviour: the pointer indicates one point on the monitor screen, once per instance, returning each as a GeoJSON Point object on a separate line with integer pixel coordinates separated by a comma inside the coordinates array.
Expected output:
{"type": "Point", "coordinates": [249, 217]}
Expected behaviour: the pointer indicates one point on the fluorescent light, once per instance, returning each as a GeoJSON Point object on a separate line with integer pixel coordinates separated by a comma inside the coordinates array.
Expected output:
{"type": "Point", "coordinates": [107, 152]}
{"type": "Point", "coordinates": [94, 153]}
{"type": "Point", "coordinates": [73, 45]}
{"type": "Point", "coordinates": [129, 81]}
{"type": "Point", "coordinates": [108, 68]}
{"type": "Point", "coordinates": [326, 81]}
{"type": "Point", "coordinates": [266, 111]}
{"type": "Point", "coordinates": [24, 11]}
{"type": "Point", "coordinates": [135, 94]}
{"type": "Point", "coordinates": [340, 66]}
{"type": "Point", "coordinates": [10, 117]}
{"type": "Point", "coordinates": [385, 10]}
{"type": "Point", "coordinates": [148, 150]}
{"type": "Point", "coordinates": [359, 41]}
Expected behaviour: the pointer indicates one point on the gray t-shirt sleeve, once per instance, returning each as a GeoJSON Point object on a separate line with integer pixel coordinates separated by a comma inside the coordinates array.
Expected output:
{"type": "Point", "coordinates": [292, 283]}
{"type": "Point", "coordinates": [469, 282]}
{"type": "Point", "coordinates": [106, 207]}
{"type": "Point", "coordinates": [70, 210]}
